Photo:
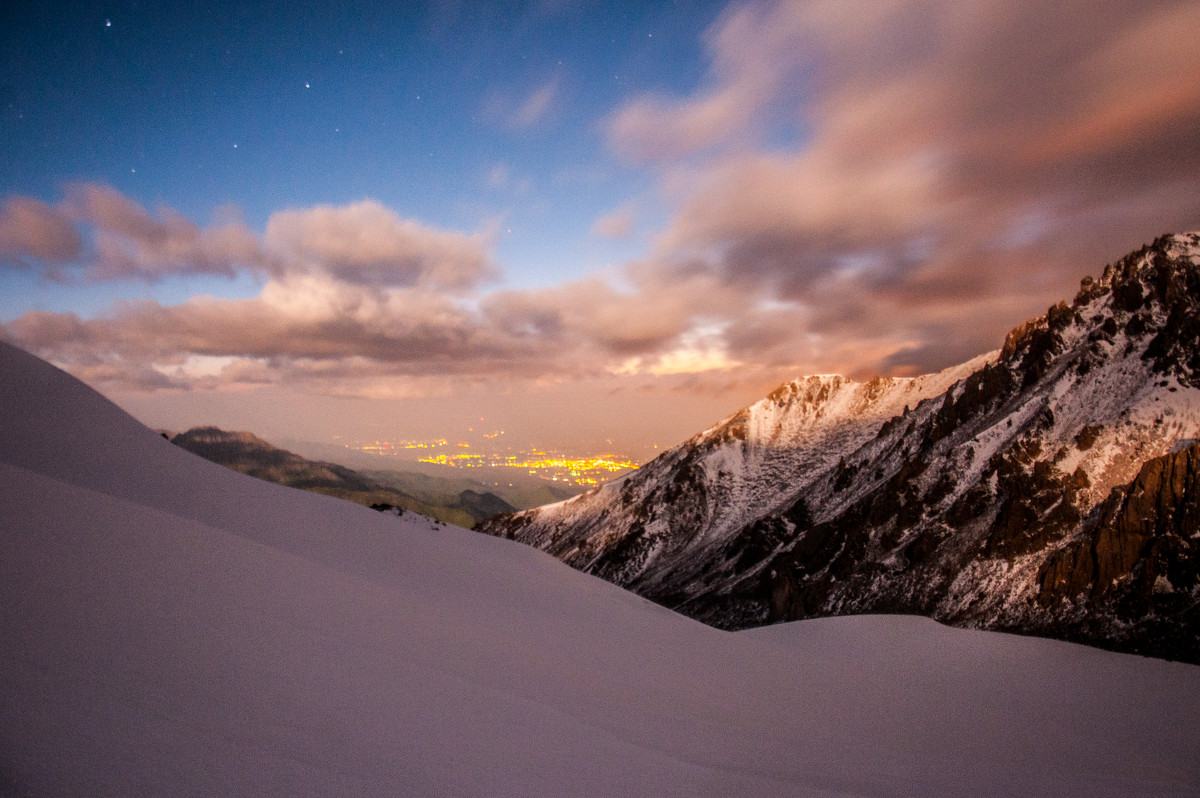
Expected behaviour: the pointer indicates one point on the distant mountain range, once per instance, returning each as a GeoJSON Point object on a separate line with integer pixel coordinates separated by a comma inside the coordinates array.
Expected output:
{"type": "Point", "coordinates": [1049, 488]}
{"type": "Point", "coordinates": [249, 454]}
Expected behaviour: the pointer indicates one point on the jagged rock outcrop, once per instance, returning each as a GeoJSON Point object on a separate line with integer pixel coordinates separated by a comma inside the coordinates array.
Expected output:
{"type": "Point", "coordinates": [1137, 558]}
{"type": "Point", "coordinates": [980, 496]}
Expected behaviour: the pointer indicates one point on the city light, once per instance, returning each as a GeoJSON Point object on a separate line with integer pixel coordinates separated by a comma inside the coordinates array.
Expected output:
{"type": "Point", "coordinates": [589, 470]}
{"type": "Point", "coordinates": [557, 468]}
{"type": "Point", "coordinates": [392, 447]}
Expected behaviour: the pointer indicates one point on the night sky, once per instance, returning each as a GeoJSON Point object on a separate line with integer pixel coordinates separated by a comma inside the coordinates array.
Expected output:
{"type": "Point", "coordinates": [582, 222]}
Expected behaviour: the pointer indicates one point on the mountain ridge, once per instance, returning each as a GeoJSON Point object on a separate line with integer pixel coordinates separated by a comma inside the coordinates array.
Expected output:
{"type": "Point", "coordinates": [249, 454]}
{"type": "Point", "coordinates": [950, 507]}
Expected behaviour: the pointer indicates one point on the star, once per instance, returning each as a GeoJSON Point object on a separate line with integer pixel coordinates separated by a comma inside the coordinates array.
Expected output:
{"type": "Point", "coordinates": [108, 23]}
{"type": "Point", "coordinates": [306, 85]}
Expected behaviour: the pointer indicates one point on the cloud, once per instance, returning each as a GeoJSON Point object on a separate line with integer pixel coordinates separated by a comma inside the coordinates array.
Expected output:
{"type": "Point", "coordinates": [330, 335]}
{"type": "Point", "coordinates": [754, 53]}
{"type": "Point", "coordinates": [957, 168]}
{"type": "Point", "coordinates": [304, 326]}
{"type": "Point", "coordinates": [653, 128]}
{"type": "Point", "coordinates": [30, 228]}
{"type": "Point", "coordinates": [596, 323]}
{"type": "Point", "coordinates": [589, 314]}
{"type": "Point", "coordinates": [362, 243]}
{"type": "Point", "coordinates": [353, 292]}
{"type": "Point", "coordinates": [131, 243]}
{"type": "Point", "coordinates": [878, 187]}
{"type": "Point", "coordinates": [618, 224]}
{"type": "Point", "coordinates": [535, 107]}
{"type": "Point", "coordinates": [504, 109]}
{"type": "Point", "coordinates": [369, 244]}
{"type": "Point", "coordinates": [352, 296]}
{"type": "Point", "coordinates": [501, 178]}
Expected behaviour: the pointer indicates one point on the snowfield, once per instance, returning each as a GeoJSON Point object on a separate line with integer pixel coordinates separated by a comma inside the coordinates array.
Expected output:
{"type": "Point", "coordinates": [169, 627]}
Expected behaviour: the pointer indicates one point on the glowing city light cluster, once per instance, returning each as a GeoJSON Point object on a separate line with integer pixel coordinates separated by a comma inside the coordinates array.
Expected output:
{"type": "Point", "coordinates": [394, 447]}
{"type": "Point", "coordinates": [486, 452]}
{"type": "Point", "coordinates": [557, 468]}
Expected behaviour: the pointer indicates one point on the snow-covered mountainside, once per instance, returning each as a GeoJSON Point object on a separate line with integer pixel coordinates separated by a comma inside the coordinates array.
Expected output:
{"type": "Point", "coordinates": [658, 530]}
{"type": "Point", "coordinates": [170, 627]}
{"type": "Point", "coordinates": [1047, 488]}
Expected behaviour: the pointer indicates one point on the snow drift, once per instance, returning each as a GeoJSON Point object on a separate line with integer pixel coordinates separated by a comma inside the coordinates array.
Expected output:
{"type": "Point", "coordinates": [170, 627]}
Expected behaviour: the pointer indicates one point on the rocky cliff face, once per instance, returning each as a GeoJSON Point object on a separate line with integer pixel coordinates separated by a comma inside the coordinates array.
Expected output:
{"type": "Point", "coordinates": [1047, 488]}
{"type": "Point", "coordinates": [1136, 562]}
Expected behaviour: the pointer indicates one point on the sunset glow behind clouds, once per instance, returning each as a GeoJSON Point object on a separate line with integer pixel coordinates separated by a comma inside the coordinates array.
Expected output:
{"type": "Point", "coordinates": [591, 223]}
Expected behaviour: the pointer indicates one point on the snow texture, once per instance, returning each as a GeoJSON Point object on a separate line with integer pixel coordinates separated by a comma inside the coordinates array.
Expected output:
{"type": "Point", "coordinates": [169, 627]}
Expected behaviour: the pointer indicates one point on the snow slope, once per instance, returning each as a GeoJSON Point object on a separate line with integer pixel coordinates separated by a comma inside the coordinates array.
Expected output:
{"type": "Point", "coordinates": [170, 627]}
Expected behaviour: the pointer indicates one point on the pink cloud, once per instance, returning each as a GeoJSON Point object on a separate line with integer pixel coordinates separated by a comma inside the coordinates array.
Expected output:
{"type": "Point", "coordinates": [132, 243]}
{"type": "Point", "coordinates": [618, 224]}
{"type": "Point", "coordinates": [30, 228]}
{"type": "Point", "coordinates": [360, 243]}
{"type": "Point", "coordinates": [960, 168]}
{"type": "Point", "coordinates": [751, 60]}
{"type": "Point", "coordinates": [368, 243]}
{"type": "Point", "coordinates": [316, 330]}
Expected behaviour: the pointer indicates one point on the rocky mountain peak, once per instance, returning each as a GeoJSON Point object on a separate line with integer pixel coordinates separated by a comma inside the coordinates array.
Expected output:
{"type": "Point", "coordinates": [962, 495]}
{"type": "Point", "coordinates": [1150, 299]}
